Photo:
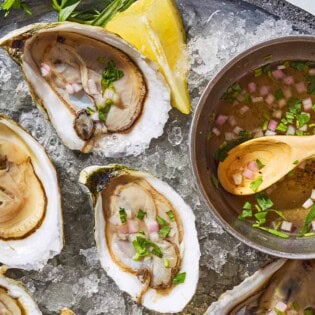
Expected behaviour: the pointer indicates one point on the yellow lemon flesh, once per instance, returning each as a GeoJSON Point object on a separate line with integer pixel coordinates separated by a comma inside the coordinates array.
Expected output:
{"type": "Point", "coordinates": [155, 28]}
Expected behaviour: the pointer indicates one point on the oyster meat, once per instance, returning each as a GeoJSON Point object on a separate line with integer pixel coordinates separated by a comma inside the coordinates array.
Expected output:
{"type": "Point", "coordinates": [145, 235]}
{"type": "Point", "coordinates": [30, 206]}
{"type": "Point", "coordinates": [14, 300]}
{"type": "Point", "coordinates": [98, 91]}
{"type": "Point", "coordinates": [282, 287]}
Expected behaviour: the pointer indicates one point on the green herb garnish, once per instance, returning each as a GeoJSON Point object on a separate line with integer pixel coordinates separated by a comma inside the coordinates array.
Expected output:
{"type": "Point", "coordinates": [274, 232]}
{"type": "Point", "coordinates": [296, 162]}
{"type": "Point", "coordinates": [110, 75]}
{"type": "Point", "coordinates": [263, 201]}
{"type": "Point", "coordinates": [298, 65]}
{"type": "Point", "coordinates": [145, 247]}
{"type": "Point", "coordinates": [8, 5]}
{"type": "Point", "coordinates": [260, 218]}
{"type": "Point", "coordinates": [258, 72]}
{"type": "Point", "coordinates": [247, 211]}
{"type": "Point", "coordinates": [171, 215]}
{"type": "Point", "coordinates": [302, 119]}
{"type": "Point", "coordinates": [90, 110]}
{"type": "Point", "coordinates": [165, 227]}
{"type": "Point", "coordinates": [123, 215]}
{"type": "Point", "coordinates": [166, 263]}
{"type": "Point", "coordinates": [282, 127]}
{"type": "Point", "coordinates": [279, 95]}
{"type": "Point", "coordinates": [311, 84]}
{"type": "Point", "coordinates": [179, 278]}
{"type": "Point", "coordinates": [308, 220]}
{"type": "Point", "coordinates": [260, 164]}
{"type": "Point", "coordinates": [215, 181]}
{"type": "Point", "coordinates": [232, 93]}
{"type": "Point", "coordinates": [255, 184]}
{"type": "Point", "coordinates": [103, 112]}
{"type": "Point", "coordinates": [141, 214]}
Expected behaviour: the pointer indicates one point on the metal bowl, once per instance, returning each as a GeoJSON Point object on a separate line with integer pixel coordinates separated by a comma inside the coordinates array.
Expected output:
{"type": "Point", "coordinates": [221, 203]}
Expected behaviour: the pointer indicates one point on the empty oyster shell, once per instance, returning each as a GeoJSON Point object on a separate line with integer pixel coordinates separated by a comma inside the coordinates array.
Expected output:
{"type": "Point", "coordinates": [99, 93]}
{"type": "Point", "coordinates": [145, 235]}
{"type": "Point", "coordinates": [30, 206]}
{"type": "Point", "coordinates": [14, 299]}
{"type": "Point", "coordinates": [282, 287]}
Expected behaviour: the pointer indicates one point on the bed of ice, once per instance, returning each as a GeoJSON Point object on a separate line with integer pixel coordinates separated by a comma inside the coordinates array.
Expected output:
{"type": "Point", "coordinates": [217, 30]}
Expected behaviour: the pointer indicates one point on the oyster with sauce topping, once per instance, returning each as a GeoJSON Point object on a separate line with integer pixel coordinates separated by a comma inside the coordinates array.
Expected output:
{"type": "Point", "coordinates": [14, 299]}
{"type": "Point", "coordinates": [145, 235]}
{"type": "Point", "coordinates": [282, 287]}
{"type": "Point", "coordinates": [30, 206]}
{"type": "Point", "coordinates": [98, 91]}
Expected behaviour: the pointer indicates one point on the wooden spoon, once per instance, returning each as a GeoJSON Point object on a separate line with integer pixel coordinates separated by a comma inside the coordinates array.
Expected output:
{"type": "Point", "coordinates": [278, 154]}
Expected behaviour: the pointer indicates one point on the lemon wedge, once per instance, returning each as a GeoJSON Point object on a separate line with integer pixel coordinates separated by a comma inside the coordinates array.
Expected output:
{"type": "Point", "coordinates": [155, 28]}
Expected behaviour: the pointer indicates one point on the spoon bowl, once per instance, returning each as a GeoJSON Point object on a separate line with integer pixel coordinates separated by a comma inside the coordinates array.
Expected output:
{"type": "Point", "coordinates": [278, 154]}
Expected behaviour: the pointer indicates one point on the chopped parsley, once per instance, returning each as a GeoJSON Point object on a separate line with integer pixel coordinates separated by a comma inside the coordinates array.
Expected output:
{"type": "Point", "coordinates": [90, 110]}
{"type": "Point", "coordinates": [302, 119]}
{"type": "Point", "coordinates": [282, 127]}
{"type": "Point", "coordinates": [164, 227]}
{"type": "Point", "coordinates": [247, 211]}
{"type": "Point", "coordinates": [263, 201]}
{"type": "Point", "coordinates": [298, 65]}
{"type": "Point", "coordinates": [296, 162]}
{"type": "Point", "coordinates": [141, 214]}
{"type": "Point", "coordinates": [123, 215]}
{"type": "Point", "coordinates": [103, 111]}
{"type": "Point", "coordinates": [179, 278]}
{"type": "Point", "coordinates": [144, 247]}
{"type": "Point", "coordinates": [255, 184]}
{"type": "Point", "coordinates": [110, 75]}
{"type": "Point", "coordinates": [171, 215]}
{"type": "Point", "coordinates": [232, 93]}
{"type": "Point", "coordinates": [260, 164]}
{"type": "Point", "coordinates": [7, 5]}
{"type": "Point", "coordinates": [311, 84]}
{"type": "Point", "coordinates": [166, 263]}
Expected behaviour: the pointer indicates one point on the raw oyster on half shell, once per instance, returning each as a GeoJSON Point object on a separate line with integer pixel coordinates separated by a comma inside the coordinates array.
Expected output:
{"type": "Point", "coordinates": [30, 205]}
{"type": "Point", "coordinates": [14, 299]}
{"type": "Point", "coordinates": [145, 235]}
{"type": "Point", "coordinates": [98, 91]}
{"type": "Point", "coordinates": [283, 287]}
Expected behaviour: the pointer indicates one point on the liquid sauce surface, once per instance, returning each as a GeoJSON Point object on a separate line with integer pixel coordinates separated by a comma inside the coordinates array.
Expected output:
{"type": "Point", "coordinates": [276, 99]}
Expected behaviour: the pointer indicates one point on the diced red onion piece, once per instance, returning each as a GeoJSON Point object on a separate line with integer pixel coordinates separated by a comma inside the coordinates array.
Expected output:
{"type": "Point", "coordinates": [154, 236]}
{"type": "Point", "coordinates": [257, 99]}
{"type": "Point", "coordinates": [44, 69]}
{"type": "Point", "coordinates": [288, 80]}
{"type": "Point", "coordinates": [244, 109]}
{"type": "Point", "coordinates": [270, 133]}
{"type": "Point", "coordinates": [77, 87]}
{"type": "Point", "coordinates": [133, 226]}
{"type": "Point", "coordinates": [229, 136]}
{"type": "Point", "coordinates": [287, 92]}
{"type": "Point", "coordinates": [313, 225]}
{"type": "Point", "coordinates": [92, 86]}
{"type": "Point", "coordinates": [307, 104]}
{"type": "Point", "coordinates": [221, 119]}
{"type": "Point", "coordinates": [123, 229]}
{"type": "Point", "coordinates": [302, 165]}
{"type": "Point", "coordinates": [264, 90]}
{"type": "Point", "coordinates": [281, 67]}
{"type": "Point", "coordinates": [303, 128]}
{"type": "Point", "coordinates": [237, 130]}
{"type": "Point", "coordinates": [311, 71]}
{"type": "Point", "coordinates": [69, 88]}
{"type": "Point", "coordinates": [272, 125]}
{"type": "Point", "coordinates": [152, 226]}
{"type": "Point", "coordinates": [313, 194]}
{"type": "Point", "coordinates": [252, 87]}
{"type": "Point", "coordinates": [286, 226]}
{"type": "Point", "coordinates": [291, 130]}
{"type": "Point", "coordinates": [232, 121]}
{"type": "Point", "coordinates": [278, 74]}
{"type": "Point", "coordinates": [277, 114]}
{"type": "Point", "coordinates": [308, 203]}
{"type": "Point", "coordinates": [216, 131]}
{"type": "Point", "coordinates": [300, 87]}
{"type": "Point", "coordinates": [253, 166]}
{"type": "Point", "coordinates": [280, 306]}
{"type": "Point", "coordinates": [237, 179]}
{"type": "Point", "coordinates": [269, 99]}
{"type": "Point", "coordinates": [248, 174]}
{"type": "Point", "coordinates": [282, 103]}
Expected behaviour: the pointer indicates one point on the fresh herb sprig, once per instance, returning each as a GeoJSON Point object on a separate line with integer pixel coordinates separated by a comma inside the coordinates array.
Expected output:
{"type": "Point", "coordinates": [8, 5]}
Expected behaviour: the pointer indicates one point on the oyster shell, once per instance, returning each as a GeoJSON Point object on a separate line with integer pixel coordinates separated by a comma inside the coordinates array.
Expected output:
{"type": "Point", "coordinates": [99, 93]}
{"type": "Point", "coordinates": [30, 205]}
{"type": "Point", "coordinates": [282, 287]}
{"type": "Point", "coordinates": [145, 235]}
{"type": "Point", "coordinates": [14, 299]}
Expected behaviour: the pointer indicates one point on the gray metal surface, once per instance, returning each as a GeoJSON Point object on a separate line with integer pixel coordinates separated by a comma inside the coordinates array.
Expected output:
{"type": "Point", "coordinates": [216, 30]}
